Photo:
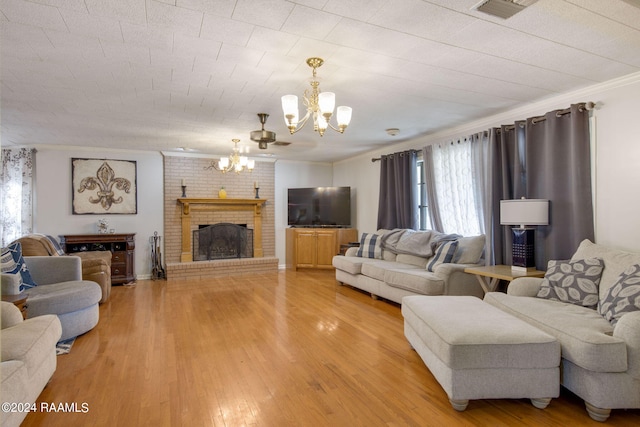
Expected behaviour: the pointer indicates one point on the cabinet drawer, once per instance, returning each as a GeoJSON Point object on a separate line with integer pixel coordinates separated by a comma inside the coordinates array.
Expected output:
{"type": "Point", "coordinates": [118, 269]}
{"type": "Point", "coordinates": [118, 257]}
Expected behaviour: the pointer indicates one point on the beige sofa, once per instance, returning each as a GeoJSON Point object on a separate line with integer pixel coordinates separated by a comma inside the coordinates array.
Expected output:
{"type": "Point", "coordinates": [397, 270]}
{"type": "Point", "coordinates": [600, 360]}
{"type": "Point", "coordinates": [28, 360]}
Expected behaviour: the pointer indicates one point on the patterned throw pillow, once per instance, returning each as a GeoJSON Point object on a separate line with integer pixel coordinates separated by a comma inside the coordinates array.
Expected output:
{"type": "Point", "coordinates": [623, 297]}
{"type": "Point", "coordinates": [370, 246]}
{"type": "Point", "coordinates": [444, 254]}
{"type": "Point", "coordinates": [13, 263]}
{"type": "Point", "coordinates": [574, 282]}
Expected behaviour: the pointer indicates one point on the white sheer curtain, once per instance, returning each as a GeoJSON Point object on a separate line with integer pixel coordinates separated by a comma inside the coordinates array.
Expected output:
{"type": "Point", "coordinates": [16, 184]}
{"type": "Point", "coordinates": [459, 204]}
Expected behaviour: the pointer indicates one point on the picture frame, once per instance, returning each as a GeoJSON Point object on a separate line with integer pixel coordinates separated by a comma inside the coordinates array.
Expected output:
{"type": "Point", "coordinates": [104, 186]}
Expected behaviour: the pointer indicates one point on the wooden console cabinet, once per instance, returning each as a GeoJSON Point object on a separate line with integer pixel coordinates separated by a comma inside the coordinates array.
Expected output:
{"type": "Point", "coordinates": [122, 247]}
{"type": "Point", "coordinates": [316, 247]}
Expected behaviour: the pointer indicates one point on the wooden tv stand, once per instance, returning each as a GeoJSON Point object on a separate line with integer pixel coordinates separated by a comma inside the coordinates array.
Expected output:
{"type": "Point", "coordinates": [316, 247]}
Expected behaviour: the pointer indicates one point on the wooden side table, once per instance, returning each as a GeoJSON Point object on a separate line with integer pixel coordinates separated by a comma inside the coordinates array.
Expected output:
{"type": "Point", "coordinates": [19, 301]}
{"type": "Point", "coordinates": [490, 275]}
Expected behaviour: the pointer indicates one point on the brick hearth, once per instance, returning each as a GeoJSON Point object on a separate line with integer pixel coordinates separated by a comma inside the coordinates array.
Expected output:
{"type": "Point", "coordinates": [220, 268]}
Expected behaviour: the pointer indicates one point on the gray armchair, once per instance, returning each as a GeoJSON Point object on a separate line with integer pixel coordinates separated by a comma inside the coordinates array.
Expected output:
{"type": "Point", "coordinates": [60, 291]}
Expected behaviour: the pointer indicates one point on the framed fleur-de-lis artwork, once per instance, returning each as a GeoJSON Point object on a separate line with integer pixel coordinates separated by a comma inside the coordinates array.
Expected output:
{"type": "Point", "coordinates": [104, 186]}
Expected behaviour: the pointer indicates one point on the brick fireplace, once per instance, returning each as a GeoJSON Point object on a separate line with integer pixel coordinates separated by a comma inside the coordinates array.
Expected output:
{"type": "Point", "coordinates": [240, 207]}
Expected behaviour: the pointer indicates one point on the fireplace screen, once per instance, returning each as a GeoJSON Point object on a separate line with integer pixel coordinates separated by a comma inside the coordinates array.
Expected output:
{"type": "Point", "coordinates": [222, 241]}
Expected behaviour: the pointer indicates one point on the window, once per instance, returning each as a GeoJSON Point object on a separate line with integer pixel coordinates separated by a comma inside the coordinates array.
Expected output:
{"type": "Point", "coordinates": [453, 172]}
{"type": "Point", "coordinates": [423, 213]}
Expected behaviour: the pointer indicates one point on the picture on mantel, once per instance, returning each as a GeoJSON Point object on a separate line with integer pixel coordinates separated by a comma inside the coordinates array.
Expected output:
{"type": "Point", "coordinates": [102, 186]}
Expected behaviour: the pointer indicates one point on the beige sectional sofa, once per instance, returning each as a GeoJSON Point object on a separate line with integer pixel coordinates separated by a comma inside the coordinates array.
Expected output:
{"type": "Point", "coordinates": [600, 345]}
{"type": "Point", "coordinates": [28, 360]}
{"type": "Point", "coordinates": [398, 264]}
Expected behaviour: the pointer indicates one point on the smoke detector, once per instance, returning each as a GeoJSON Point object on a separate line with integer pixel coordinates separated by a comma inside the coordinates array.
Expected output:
{"type": "Point", "coordinates": [392, 131]}
{"type": "Point", "coordinates": [502, 8]}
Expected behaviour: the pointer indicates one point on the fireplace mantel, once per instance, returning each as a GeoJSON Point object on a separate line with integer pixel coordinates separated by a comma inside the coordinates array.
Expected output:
{"type": "Point", "coordinates": [214, 204]}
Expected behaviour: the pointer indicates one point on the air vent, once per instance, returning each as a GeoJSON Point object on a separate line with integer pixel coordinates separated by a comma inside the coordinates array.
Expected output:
{"type": "Point", "coordinates": [635, 3]}
{"type": "Point", "coordinates": [502, 8]}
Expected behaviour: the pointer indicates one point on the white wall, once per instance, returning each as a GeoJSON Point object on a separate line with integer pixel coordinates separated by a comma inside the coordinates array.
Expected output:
{"type": "Point", "coordinates": [53, 211]}
{"type": "Point", "coordinates": [289, 174]}
{"type": "Point", "coordinates": [617, 159]}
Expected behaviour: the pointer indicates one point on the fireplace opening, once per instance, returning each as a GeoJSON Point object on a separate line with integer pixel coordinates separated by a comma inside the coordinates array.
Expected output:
{"type": "Point", "coordinates": [222, 241]}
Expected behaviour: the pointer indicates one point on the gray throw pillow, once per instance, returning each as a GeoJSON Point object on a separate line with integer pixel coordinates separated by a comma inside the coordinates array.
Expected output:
{"type": "Point", "coordinates": [623, 297]}
{"type": "Point", "coordinates": [444, 255]}
{"type": "Point", "coordinates": [574, 282]}
{"type": "Point", "coordinates": [369, 246]}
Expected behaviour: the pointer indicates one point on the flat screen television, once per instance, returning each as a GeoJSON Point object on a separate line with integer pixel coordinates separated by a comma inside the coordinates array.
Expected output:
{"type": "Point", "coordinates": [319, 207]}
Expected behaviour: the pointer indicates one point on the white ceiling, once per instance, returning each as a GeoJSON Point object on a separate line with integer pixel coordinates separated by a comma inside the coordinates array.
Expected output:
{"type": "Point", "coordinates": [162, 74]}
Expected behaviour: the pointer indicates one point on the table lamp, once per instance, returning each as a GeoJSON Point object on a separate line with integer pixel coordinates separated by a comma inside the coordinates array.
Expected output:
{"type": "Point", "coordinates": [524, 212]}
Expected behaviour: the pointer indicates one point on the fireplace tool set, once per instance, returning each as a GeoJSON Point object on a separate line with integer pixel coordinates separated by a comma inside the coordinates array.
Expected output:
{"type": "Point", "coordinates": [157, 271]}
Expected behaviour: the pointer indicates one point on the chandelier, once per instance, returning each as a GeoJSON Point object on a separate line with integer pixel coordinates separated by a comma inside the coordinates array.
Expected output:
{"type": "Point", "coordinates": [235, 162]}
{"type": "Point", "coordinates": [319, 107]}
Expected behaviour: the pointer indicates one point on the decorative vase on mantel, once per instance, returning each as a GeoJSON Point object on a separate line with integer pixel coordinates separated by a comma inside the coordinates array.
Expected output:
{"type": "Point", "coordinates": [222, 193]}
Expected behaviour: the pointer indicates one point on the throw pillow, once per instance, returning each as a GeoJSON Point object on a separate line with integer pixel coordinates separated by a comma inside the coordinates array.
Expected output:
{"type": "Point", "coordinates": [574, 282]}
{"type": "Point", "coordinates": [444, 254]}
{"type": "Point", "coordinates": [470, 249]}
{"type": "Point", "coordinates": [369, 246]}
{"type": "Point", "coordinates": [13, 263]}
{"type": "Point", "coordinates": [623, 297]}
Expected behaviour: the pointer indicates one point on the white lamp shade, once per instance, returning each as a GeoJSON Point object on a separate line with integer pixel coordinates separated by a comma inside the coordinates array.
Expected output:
{"type": "Point", "coordinates": [223, 163]}
{"type": "Point", "coordinates": [290, 105]}
{"type": "Point", "coordinates": [343, 115]}
{"type": "Point", "coordinates": [251, 164]}
{"type": "Point", "coordinates": [326, 102]}
{"type": "Point", "coordinates": [524, 212]}
{"type": "Point", "coordinates": [322, 122]}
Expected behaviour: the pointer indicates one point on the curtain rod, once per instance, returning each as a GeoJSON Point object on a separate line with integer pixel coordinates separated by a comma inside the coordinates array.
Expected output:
{"type": "Point", "coordinates": [582, 106]}
{"type": "Point", "coordinates": [377, 159]}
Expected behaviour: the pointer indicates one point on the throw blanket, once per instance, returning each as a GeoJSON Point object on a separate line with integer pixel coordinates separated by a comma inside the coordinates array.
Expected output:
{"type": "Point", "coordinates": [419, 243]}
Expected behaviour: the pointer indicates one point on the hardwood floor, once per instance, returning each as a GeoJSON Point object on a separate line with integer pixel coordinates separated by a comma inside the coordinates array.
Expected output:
{"type": "Point", "coordinates": [280, 349]}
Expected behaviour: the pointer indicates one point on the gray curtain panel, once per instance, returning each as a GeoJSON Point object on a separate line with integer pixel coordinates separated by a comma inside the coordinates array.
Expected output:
{"type": "Point", "coordinates": [505, 180]}
{"type": "Point", "coordinates": [398, 202]}
{"type": "Point", "coordinates": [558, 168]}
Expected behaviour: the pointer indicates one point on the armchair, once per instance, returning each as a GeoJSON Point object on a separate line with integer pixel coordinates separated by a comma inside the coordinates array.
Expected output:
{"type": "Point", "coordinates": [96, 265]}
{"type": "Point", "coordinates": [61, 291]}
{"type": "Point", "coordinates": [28, 358]}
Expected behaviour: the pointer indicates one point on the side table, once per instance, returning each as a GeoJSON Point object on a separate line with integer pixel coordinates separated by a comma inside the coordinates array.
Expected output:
{"type": "Point", "coordinates": [488, 276]}
{"type": "Point", "coordinates": [19, 301]}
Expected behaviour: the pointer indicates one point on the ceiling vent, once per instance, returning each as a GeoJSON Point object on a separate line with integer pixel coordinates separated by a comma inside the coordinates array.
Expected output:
{"type": "Point", "coordinates": [635, 3]}
{"type": "Point", "coordinates": [263, 137]}
{"type": "Point", "coordinates": [502, 8]}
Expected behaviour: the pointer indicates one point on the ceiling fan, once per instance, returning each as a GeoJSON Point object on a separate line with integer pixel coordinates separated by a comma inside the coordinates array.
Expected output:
{"type": "Point", "coordinates": [264, 137]}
